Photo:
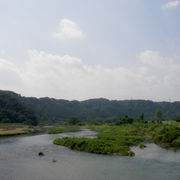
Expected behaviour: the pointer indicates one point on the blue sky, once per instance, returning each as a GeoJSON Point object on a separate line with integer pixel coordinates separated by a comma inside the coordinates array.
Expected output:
{"type": "Point", "coordinates": [118, 49]}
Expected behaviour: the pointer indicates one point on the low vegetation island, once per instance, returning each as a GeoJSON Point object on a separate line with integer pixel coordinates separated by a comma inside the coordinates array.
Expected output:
{"type": "Point", "coordinates": [118, 140]}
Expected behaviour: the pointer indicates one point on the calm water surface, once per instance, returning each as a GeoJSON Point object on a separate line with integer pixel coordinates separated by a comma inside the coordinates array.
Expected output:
{"type": "Point", "coordinates": [19, 160]}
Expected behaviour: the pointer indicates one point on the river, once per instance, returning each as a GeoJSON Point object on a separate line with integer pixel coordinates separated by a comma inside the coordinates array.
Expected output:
{"type": "Point", "coordinates": [19, 160]}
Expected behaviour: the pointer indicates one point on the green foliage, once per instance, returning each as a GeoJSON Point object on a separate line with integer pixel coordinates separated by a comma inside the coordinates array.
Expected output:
{"type": "Point", "coordinates": [168, 135]}
{"type": "Point", "coordinates": [142, 117]}
{"type": "Point", "coordinates": [98, 146]}
{"type": "Point", "coordinates": [131, 153]}
{"type": "Point", "coordinates": [73, 120]}
{"type": "Point", "coordinates": [176, 118]}
{"type": "Point", "coordinates": [115, 140]}
{"type": "Point", "coordinates": [12, 110]}
{"type": "Point", "coordinates": [15, 108]}
{"type": "Point", "coordinates": [176, 142]}
{"type": "Point", "coordinates": [125, 120]}
{"type": "Point", "coordinates": [159, 115]}
{"type": "Point", "coordinates": [142, 146]}
{"type": "Point", "coordinates": [14, 132]}
{"type": "Point", "coordinates": [55, 130]}
{"type": "Point", "coordinates": [60, 129]}
{"type": "Point", "coordinates": [98, 111]}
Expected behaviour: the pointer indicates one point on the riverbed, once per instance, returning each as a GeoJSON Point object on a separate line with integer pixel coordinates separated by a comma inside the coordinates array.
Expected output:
{"type": "Point", "coordinates": [19, 160]}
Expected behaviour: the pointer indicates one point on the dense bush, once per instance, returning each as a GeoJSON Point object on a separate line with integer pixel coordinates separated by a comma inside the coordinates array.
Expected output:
{"type": "Point", "coordinates": [125, 120]}
{"type": "Point", "coordinates": [169, 135]}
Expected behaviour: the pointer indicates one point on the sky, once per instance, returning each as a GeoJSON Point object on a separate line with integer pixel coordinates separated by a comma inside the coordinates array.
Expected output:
{"type": "Point", "coordinates": [83, 49]}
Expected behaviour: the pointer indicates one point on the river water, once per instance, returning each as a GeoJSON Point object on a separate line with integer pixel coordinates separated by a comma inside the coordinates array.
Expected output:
{"type": "Point", "coordinates": [19, 160]}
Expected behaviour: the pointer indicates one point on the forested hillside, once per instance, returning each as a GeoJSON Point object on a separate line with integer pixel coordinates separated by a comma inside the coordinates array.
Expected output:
{"type": "Point", "coordinates": [93, 110]}
{"type": "Point", "coordinates": [15, 108]}
{"type": "Point", "coordinates": [12, 110]}
{"type": "Point", "coordinates": [99, 109]}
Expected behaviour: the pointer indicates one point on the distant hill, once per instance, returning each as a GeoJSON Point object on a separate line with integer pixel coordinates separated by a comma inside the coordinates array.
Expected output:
{"type": "Point", "coordinates": [55, 110]}
{"type": "Point", "coordinates": [12, 110]}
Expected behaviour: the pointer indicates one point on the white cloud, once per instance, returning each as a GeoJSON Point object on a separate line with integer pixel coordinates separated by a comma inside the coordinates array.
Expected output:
{"type": "Point", "coordinates": [9, 75]}
{"type": "Point", "coordinates": [171, 4]}
{"type": "Point", "coordinates": [68, 30]}
{"type": "Point", "coordinates": [155, 60]}
{"type": "Point", "coordinates": [68, 77]}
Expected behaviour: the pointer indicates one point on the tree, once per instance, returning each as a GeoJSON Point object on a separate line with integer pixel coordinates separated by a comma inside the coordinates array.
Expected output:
{"type": "Point", "coordinates": [176, 118]}
{"type": "Point", "coordinates": [159, 115]}
{"type": "Point", "coordinates": [125, 120]}
{"type": "Point", "coordinates": [142, 117]}
{"type": "Point", "coordinates": [73, 120]}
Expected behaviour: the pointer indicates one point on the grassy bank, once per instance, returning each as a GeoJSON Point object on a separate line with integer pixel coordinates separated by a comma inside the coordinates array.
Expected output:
{"type": "Point", "coordinates": [14, 132]}
{"type": "Point", "coordinates": [117, 140]}
{"type": "Point", "coordinates": [14, 129]}
{"type": "Point", "coordinates": [60, 129]}
{"type": "Point", "coordinates": [10, 129]}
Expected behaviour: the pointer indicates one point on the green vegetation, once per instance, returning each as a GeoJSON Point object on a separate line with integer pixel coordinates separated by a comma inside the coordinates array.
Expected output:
{"type": "Point", "coordinates": [15, 108]}
{"type": "Point", "coordinates": [167, 136]}
{"type": "Point", "coordinates": [60, 129]}
{"type": "Point", "coordinates": [99, 111]}
{"type": "Point", "coordinates": [159, 115]}
{"type": "Point", "coordinates": [117, 140]}
{"type": "Point", "coordinates": [142, 146]}
{"type": "Point", "coordinates": [176, 118]}
{"type": "Point", "coordinates": [14, 129]}
{"type": "Point", "coordinates": [55, 130]}
{"type": "Point", "coordinates": [14, 111]}
{"type": "Point", "coordinates": [73, 120]}
{"type": "Point", "coordinates": [114, 140]}
{"type": "Point", "coordinates": [125, 120]}
{"type": "Point", "coordinates": [99, 146]}
{"type": "Point", "coordinates": [14, 132]}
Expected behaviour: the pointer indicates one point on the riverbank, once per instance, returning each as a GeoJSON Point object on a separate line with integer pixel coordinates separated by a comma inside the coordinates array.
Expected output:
{"type": "Point", "coordinates": [14, 132]}
{"type": "Point", "coordinates": [56, 129]}
{"type": "Point", "coordinates": [14, 129]}
{"type": "Point", "coordinates": [19, 129]}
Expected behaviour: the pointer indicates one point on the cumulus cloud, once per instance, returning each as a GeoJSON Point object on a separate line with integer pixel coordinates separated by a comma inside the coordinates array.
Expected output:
{"type": "Point", "coordinates": [171, 4]}
{"type": "Point", "coordinates": [68, 77]}
{"type": "Point", "coordinates": [68, 30]}
{"type": "Point", "coordinates": [155, 60]}
{"type": "Point", "coordinates": [9, 75]}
